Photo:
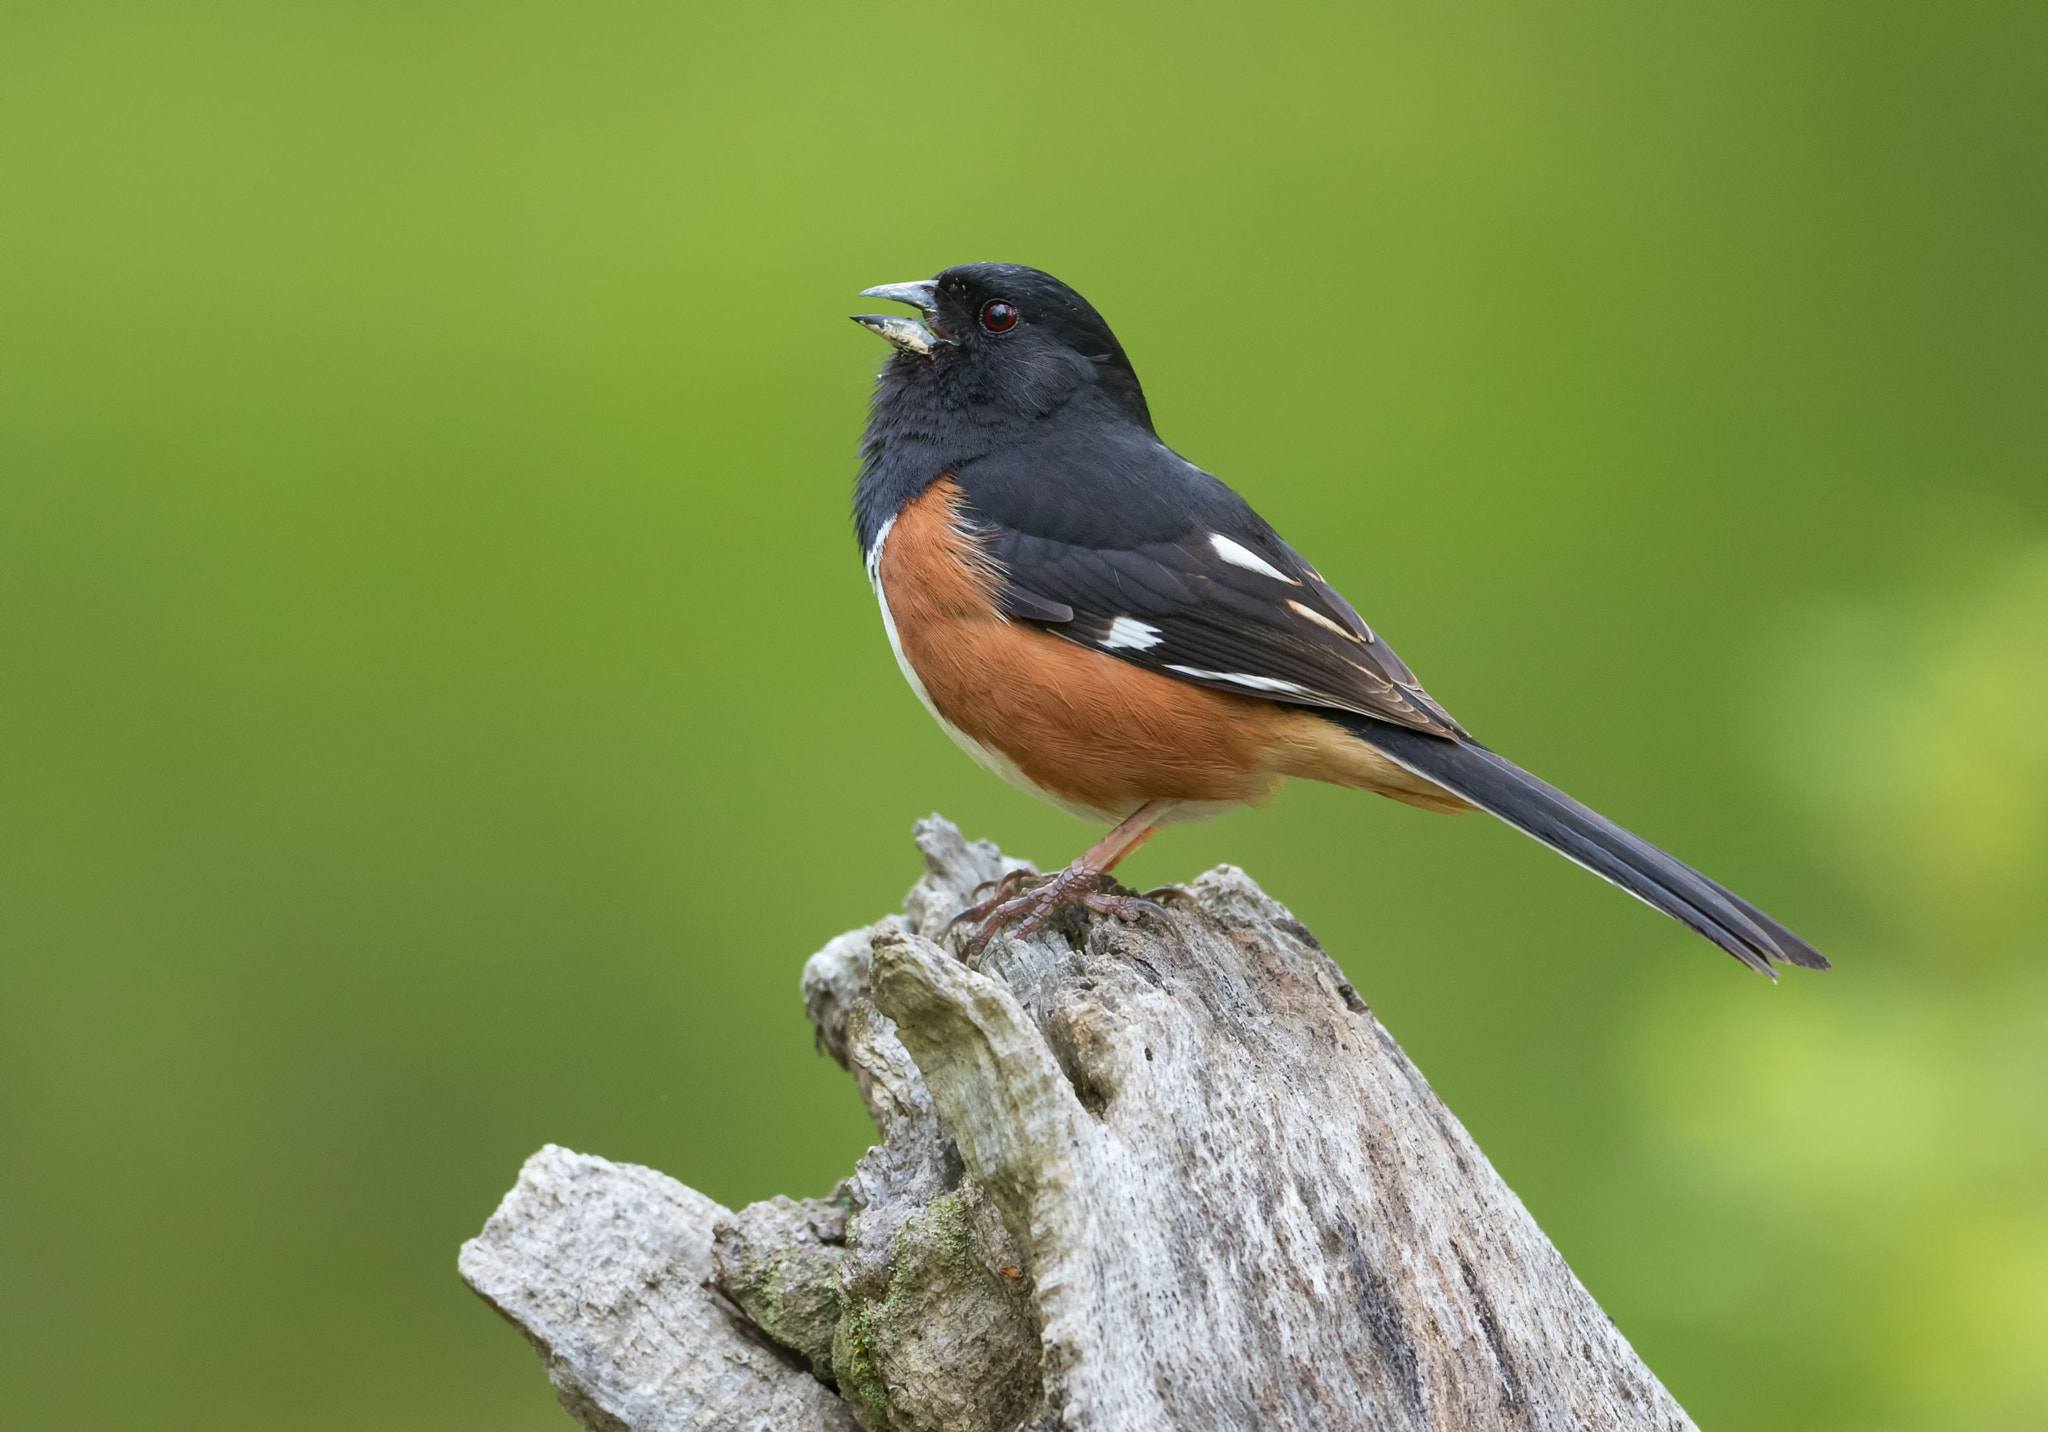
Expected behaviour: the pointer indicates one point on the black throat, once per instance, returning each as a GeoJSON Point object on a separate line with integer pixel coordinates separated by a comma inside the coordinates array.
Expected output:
{"type": "Point", "coordinates": [932, 416]}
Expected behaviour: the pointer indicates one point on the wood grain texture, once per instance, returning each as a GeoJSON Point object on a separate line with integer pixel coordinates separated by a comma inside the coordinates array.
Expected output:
{"type": "Point", "coordinates": [1170, 1175]}
{"type": "Point", "coordinates": [607, 1270]}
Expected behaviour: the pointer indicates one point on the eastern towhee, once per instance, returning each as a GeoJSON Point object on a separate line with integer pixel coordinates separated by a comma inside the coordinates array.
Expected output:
{"type": "Point", "coordinates": [1107, 626]}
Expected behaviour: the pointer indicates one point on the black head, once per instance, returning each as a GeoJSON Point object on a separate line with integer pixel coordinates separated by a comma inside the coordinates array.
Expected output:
{"type": "Point", "coordinates": [1001, 345]}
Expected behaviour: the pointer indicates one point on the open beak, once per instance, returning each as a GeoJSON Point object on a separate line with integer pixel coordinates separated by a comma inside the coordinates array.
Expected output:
{"type": "Point", "coordinates": [907, 334]}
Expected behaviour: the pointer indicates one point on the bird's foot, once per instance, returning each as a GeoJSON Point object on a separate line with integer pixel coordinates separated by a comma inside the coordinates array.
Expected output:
{"type": "Point", "coordinates": [1077, 885]}
{"type": "Point", "coordinates": [1004, 888]}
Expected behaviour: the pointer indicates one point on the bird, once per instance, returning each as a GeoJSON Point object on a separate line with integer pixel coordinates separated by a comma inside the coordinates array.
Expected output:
{"type": "Point", "coordinates": [1110, 628]}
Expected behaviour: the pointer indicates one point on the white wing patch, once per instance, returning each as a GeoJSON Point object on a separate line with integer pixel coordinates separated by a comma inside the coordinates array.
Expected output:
{"type": "Point", "coordinates": [1239, 555]}
{"type": "Point", "coordinates": [1129, 632]}
{"type": "Point", "coordinates": [1254, 683]}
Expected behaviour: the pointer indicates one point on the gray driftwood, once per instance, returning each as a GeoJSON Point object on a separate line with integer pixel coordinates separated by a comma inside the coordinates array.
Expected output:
{"type": "Point", "coordinates": [1166, 1175]}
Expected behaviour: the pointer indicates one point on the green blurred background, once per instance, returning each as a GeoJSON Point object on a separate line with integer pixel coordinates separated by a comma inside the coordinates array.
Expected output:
{"type": "Point", "coordinates": [442, 706]}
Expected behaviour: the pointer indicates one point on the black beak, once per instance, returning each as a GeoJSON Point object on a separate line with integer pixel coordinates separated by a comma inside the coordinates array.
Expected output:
{"type": "Point", "coordinates": [907, 334]}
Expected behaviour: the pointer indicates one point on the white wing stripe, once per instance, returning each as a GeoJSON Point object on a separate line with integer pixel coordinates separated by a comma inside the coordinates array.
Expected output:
{"type": "Point", "coordinates": [1235, 678]}
{"type": "Point", "coordinates": [1322, 621]}
{"type": "Point", "coordinates": [1239, 555]}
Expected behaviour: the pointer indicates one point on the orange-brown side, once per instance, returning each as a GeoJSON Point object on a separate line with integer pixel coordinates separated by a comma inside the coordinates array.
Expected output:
{"type": "Point", "coordinates": [1083, 726]}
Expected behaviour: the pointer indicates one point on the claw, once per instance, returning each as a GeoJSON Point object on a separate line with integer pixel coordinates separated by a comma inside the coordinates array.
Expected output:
{"type": "Point", "coordinates": [1004, 886]}
{"type": "Point", "coordinates": [1169, 892]}
{"type": "Point", "coordinates": [1076, 885]}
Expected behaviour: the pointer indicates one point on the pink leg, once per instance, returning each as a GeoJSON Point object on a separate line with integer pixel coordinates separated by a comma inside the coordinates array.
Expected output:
{"type": "Point", "coordinates": [1079, 884]}
{"type": "Point", "coordinates": [1133, 831]}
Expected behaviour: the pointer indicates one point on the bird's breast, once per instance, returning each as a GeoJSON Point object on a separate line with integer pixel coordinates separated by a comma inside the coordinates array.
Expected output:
{"type": "Point", "coordinates": [1074, 726]}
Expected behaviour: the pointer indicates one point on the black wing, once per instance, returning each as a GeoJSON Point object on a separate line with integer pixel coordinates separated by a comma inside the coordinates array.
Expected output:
{"type": "Point", "coordinates": [1115, 543]}
{"type": "Point", "coordinates": [1226, 605]}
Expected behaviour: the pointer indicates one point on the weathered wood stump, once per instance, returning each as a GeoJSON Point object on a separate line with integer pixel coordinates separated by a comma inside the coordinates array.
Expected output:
{"type": "Point", "coordinates": [1164, 1175]}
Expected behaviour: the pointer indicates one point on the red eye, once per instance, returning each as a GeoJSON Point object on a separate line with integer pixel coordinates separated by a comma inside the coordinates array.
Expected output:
{"type": "Point", "coordinates": [998, 316]}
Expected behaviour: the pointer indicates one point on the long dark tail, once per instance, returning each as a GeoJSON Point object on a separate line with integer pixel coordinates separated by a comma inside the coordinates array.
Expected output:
{"type": "Point", "coordinates": [1584, 836]}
